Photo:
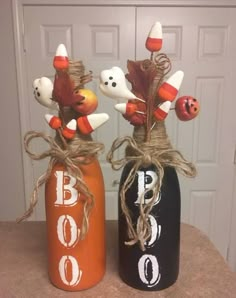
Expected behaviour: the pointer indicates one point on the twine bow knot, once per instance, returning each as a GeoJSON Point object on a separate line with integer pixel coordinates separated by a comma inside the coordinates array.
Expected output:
{"type": "Point", "coordinates": [158, 153]}
{"type": "Point", "coordinates": [80, 153]}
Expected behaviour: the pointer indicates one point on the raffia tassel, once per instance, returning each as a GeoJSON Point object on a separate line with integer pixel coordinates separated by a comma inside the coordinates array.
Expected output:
{"type": "Point", "coordinates": [77, 153]}
{"type": "Point", "coordinates": [158, 152]}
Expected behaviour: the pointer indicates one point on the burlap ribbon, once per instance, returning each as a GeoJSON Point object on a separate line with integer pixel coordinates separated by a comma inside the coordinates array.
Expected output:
{"type": "Point", "coordinates": [144, 154]}
{"type": "Point", "coordinates": [80, 153]}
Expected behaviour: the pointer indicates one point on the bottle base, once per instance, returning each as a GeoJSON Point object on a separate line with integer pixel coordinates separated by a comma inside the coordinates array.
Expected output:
{"type": "Point", "coordinates": [162, 285]}
{"type": "Point", "coordinates": [78, 288]}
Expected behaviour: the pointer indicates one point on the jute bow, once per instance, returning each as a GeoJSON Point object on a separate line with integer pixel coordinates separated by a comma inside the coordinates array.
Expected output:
{"type": "Point", "coordinates": [143, 155]}
{"type": "Point", "coordinates": [81, 153]}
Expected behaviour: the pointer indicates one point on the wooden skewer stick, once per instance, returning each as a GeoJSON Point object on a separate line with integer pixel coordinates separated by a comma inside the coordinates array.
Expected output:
{"type": "Point", "coordinates": [140, 112]}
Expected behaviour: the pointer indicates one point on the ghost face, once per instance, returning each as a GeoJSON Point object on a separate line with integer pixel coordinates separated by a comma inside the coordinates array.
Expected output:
{"type": "Point", "coordinates": [187, 108]}
{"type": "Point", "coordinates": [113, 84]}
{"type": "Point", "coordinates": [43, 92]}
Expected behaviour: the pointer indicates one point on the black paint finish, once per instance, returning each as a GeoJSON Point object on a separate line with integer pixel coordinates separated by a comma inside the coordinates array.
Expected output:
{"type": "Point", "coordinates": [166, 248]}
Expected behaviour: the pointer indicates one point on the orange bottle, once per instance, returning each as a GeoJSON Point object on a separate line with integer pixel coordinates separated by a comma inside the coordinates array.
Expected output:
{"type": "Point", "coordinates": [75, 264]}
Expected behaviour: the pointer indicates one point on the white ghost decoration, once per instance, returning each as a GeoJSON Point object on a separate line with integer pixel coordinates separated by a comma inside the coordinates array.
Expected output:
{"type": "Point", "coordinates": [43, 92]}
{"type": "Point", "coordinates": [113, 84]}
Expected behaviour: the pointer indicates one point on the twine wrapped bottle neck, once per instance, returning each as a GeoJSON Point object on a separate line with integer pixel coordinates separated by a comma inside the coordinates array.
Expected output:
{"type": "Point", "coordinates": [159, 141]}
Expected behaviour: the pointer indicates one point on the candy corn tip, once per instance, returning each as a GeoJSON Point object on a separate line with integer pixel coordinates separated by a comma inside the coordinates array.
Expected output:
{"type": "Point", "coordinates": [180, 73]}
{"type": "Point", "coordinates": [72, 124]}
{"type": "Point", "coordinates": [61, 51]}
{"type": "Point", "coordinates": [121, 107]}
{"type": "Point", "coordinates": [96, 120]}
{"type": "Point", "coordinates": [178, 76]}
{"type": "Point", "coordinates": [165, 106]}
{"type": "Point", "coordinates": [175, 80]}
{"type": "Point", "coordinates": [98, 117]}
{"type": "Point", "coordinates": [105, 116]}
{"type": "Point", "coordinates": [156, 31]}
{"type": "Point", "coordinates": [48, 117]}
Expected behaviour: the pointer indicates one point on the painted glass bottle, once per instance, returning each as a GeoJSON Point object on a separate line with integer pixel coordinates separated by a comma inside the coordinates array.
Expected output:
{"type": "Point", "coordinates": [74, 186]}
{"type": "Point", "coordinates": [149, 194]}
{"type": "Point", "coordinates": [157, 266]}
{"type": "Point", "coordinates": [75, 264]}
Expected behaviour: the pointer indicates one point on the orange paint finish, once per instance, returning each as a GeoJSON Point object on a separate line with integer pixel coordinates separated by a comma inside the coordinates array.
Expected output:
{"type": "Point", "coordinates": [68, 133]}
{"type": "Point", "coordinates": [88, 254]}
{"type": "Point", "coordinates": [55, 122]}
{"type": "Point", "coordinates": [60, 62]}
{"type": "Point", "coordinates": [136, 118]}
{"type": "Point", "coordinates": [131, 108]}
{"type": "Point", "coordinates": [84, 126]}
{"type": "Point", "coordinates": [153, 44]}
{"type": "Point", "coordinates": [167, 92]}
{"type": "Point", "coordinates": [159, 114]}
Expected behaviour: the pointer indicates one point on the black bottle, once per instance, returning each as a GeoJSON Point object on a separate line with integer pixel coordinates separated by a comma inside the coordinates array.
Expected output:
{"type": "Point", "coordinates": [157, 267]}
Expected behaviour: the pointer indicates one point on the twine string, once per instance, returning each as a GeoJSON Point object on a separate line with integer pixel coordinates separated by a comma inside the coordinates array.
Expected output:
{"type": "Point", "coordinates": [162, 64]}
{"type": "Point", "coordinates": [157, 152]}
{"type": "Point", "coordinates": [76, 154]}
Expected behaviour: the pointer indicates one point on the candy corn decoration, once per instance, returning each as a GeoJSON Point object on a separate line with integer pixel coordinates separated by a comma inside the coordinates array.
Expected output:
{"type": "Point", "coordinates": [134, 112]}
{"type": "Point", "coordinates": [53, 121]}
{"type": "Point", "coordinates": [61, 61]}
{"type": "Point", "coordinates": [162, 111]}
{"type": "Point", "coordinates": [170, 88]}
{"type": "Point", "coordinates": [154, 39]}
{"type": "Point", "coordinates": [69, 130]}
{"type": "Point", "coordinates": [127, 109]}
{"type": "Point", "coordinates": [88, 124]}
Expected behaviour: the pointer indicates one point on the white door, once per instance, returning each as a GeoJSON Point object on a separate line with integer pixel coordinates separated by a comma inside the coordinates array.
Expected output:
{"type": "Point", "coordinates": [99, 36]}
{"type": "Point", "coordinates": [202, 43]}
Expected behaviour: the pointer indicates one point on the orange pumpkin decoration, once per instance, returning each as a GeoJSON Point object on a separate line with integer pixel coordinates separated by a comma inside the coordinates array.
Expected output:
{"type": "Point", "coordinates": [75, 264]}
{"type": "Point", "coordinates": [187, 108]}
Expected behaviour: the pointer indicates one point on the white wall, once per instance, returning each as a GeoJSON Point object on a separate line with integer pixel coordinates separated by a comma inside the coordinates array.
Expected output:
{"type": "Point", "coordinates": [11, 173]}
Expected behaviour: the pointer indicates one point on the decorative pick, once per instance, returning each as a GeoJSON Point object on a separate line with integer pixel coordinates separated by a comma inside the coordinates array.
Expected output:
{"type": "Point", "coordinates": [113, 84]}
{"type": "Point", "coordinates": [61, 61]}
{"type": "Point", "coordinates": [187, 108]}
{"type": "Point", "coordinates": [170, 88]}
{"type": "Point", "coordinates": [64, 87]}
{"type": "Point", "coordinates": [43, 93]}
{"type": "Point", "coordinates": [88, 104]}
{"type": "Point", "coordinates": [53, 121]}
{"type": "Point", "coordinates": [69, 130]}
{"type": "Point", "coordinates": [127, 109]}
{"type": "Point", "coordinates": [162, 111]}
{"type": "Point", "coordinates": [154, 39]}
{"type": "Point", "coordinates": [88, 124]}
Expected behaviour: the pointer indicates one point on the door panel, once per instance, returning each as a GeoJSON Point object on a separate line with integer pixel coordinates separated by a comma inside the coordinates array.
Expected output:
{"type": "Point", "coordinates": [204, 48]}
{"type": "Point", "coordinates": [101, 37]}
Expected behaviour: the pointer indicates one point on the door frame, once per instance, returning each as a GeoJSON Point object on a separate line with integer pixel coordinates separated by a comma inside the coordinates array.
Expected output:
{"type": "Point", "coordinates": [20, 51]}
